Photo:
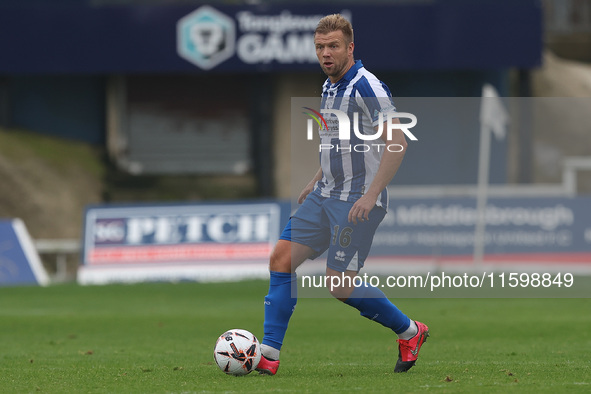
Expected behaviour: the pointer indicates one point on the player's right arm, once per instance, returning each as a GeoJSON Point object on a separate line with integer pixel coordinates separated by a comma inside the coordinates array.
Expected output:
{"type": "Point", "coordinates": [310, 186]}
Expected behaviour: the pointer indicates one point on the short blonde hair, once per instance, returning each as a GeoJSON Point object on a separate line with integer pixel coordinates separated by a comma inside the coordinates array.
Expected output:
{"type": "Point", "coordinates": [335, 22]}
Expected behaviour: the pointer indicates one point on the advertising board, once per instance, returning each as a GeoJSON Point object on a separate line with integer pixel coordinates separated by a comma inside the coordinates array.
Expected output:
{"type": "Point", "coordinates": [177, 242]}
{"type": "Point", "coordinates": [19, 262]}
{"type": "Point", "coordinates": [229, 241]}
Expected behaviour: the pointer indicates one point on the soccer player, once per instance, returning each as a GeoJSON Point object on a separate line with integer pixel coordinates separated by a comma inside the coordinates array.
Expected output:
{"type": "Point", "coordinates": [342, 205]}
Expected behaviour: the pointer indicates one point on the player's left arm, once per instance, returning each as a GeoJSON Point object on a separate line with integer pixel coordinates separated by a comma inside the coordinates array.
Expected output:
{"type": "Point", "coordinates": [389, 164]}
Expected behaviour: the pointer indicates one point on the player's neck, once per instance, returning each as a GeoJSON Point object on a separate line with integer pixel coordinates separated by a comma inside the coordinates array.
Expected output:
{"type": "Point", "coordinates": [340, 76]}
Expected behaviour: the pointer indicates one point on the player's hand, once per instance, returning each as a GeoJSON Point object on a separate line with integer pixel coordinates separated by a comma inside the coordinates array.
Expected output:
{"type": "Point", "coordinates": [307, 190]}
{"type": "Point", "coordinates": [361, 209]}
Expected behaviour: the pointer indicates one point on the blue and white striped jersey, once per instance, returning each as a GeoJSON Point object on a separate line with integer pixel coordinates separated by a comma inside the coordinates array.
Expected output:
{"type": "Point", "coordinates": [350, 166]}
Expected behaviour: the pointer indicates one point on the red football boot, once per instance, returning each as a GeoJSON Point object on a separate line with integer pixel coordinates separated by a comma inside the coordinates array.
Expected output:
{"type": "Point", "coordinates": [408, 350]}
{"type": "Point", "coordinates": [267, 367]}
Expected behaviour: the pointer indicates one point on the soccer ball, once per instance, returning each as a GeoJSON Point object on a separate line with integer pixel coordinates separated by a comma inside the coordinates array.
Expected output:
{"type": "Point", "coordinates": [237, 352]}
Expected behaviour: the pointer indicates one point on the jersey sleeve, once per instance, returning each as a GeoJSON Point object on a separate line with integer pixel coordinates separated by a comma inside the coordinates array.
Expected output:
{"type": "Point", "coordinates": [374, 98]}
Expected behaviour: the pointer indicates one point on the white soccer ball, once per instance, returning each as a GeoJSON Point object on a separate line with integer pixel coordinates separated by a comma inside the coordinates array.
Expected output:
{"type": "Point", "coordinates": [237, 352]}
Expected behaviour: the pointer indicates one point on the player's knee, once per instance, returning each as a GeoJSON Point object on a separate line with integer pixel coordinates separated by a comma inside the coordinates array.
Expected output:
{"type": "Point", "coordinates": [339, 292]}
{"type": "Point", "coordinates": [280, 260]}
{"type": "Point", "coordinates": [336, 293]}
{"type": "Point", "coordinates": [288, 256]}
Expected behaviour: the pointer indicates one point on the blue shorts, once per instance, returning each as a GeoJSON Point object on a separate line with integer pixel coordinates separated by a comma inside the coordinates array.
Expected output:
{"type": "Point", "coordinates": [322, 223]}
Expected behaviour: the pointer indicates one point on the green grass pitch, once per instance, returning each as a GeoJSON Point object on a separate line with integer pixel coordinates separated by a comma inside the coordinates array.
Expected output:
{"type": "Point", "coordinates": [157, 338]}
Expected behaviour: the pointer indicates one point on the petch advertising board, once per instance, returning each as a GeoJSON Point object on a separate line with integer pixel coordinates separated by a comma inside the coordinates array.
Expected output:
{"type": "Point", "coordinates": [176, 242]}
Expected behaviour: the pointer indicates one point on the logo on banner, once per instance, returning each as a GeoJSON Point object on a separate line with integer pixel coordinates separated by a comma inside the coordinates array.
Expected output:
{"type": "Point", "coordinates": [206, 37]}
{"type": "Point", "coordinates": [180, 233]}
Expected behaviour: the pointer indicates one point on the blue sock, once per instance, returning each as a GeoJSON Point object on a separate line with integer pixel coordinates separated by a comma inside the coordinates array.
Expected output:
{"type": "Point", "coordinates": [279, 305]}
{"type": "Point", "coordinates": [373, 304]}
